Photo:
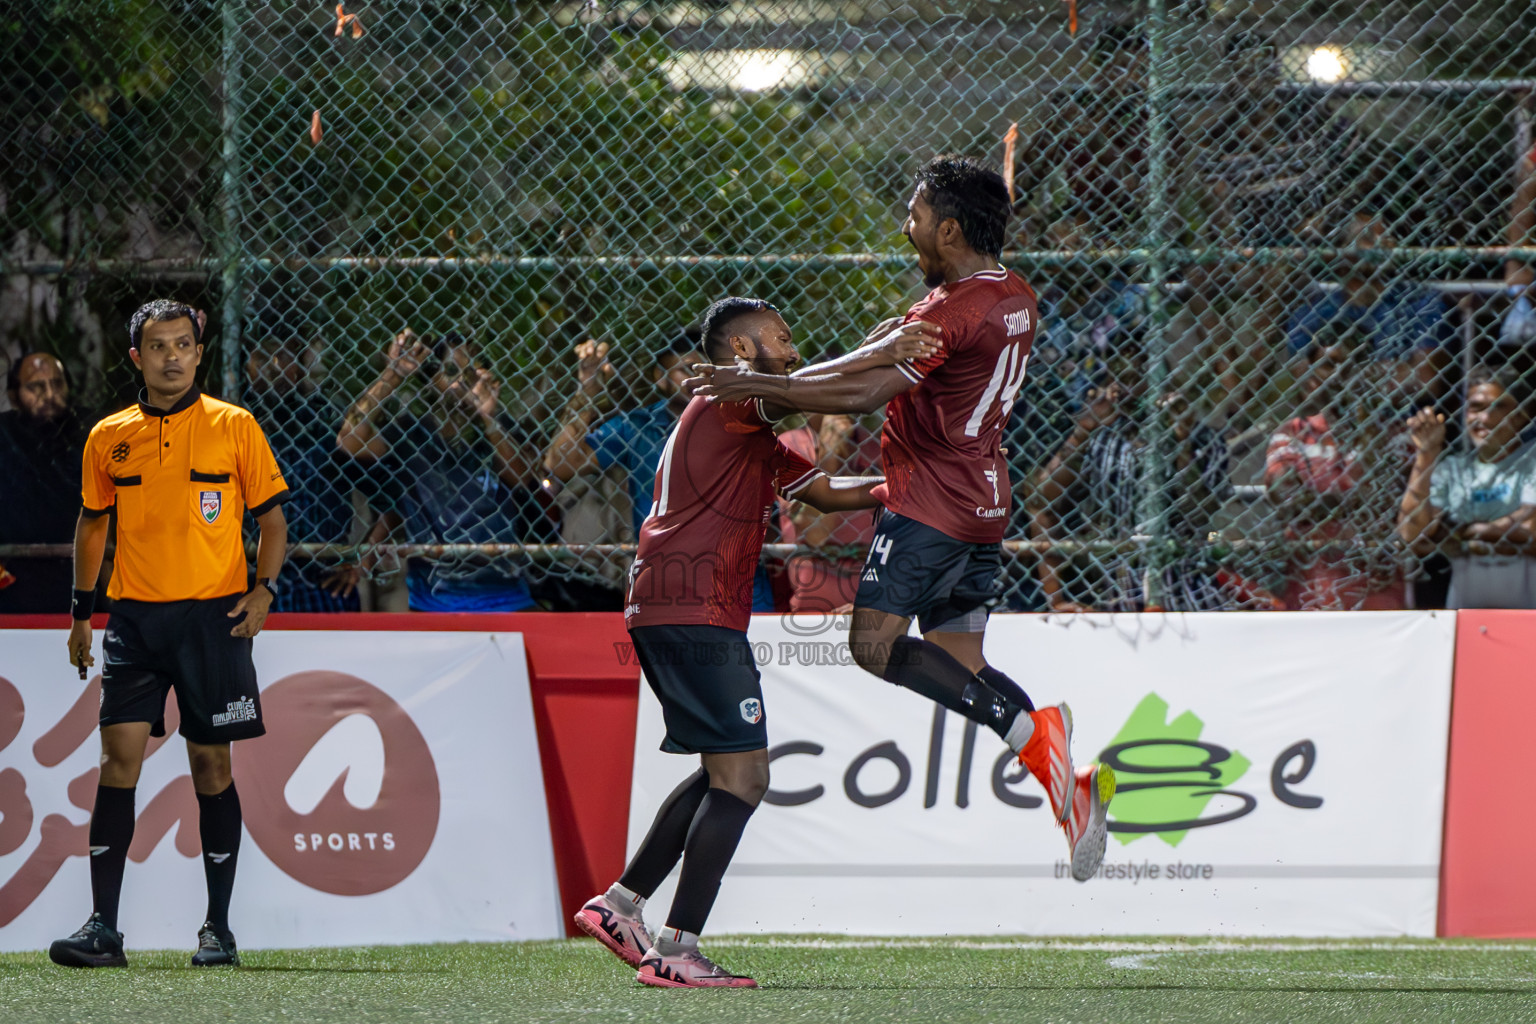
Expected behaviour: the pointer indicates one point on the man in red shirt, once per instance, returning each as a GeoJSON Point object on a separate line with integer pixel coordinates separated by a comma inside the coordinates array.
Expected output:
{"type": "Point", "coordinates": [690, 596]}
{"type": "Point", "coordinates": [936, 554]}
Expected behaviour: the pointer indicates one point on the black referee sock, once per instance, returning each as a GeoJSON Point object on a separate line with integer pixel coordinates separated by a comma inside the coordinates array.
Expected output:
{"type": "Point", "coordinates": [663, 844]}
{"type": "Point", "coordinates": [110, 834]}
{"type": "Point", "coordinates": [218, 824]}
{"type": "Point", "coordinates": [712, 842]}
{"type": "Point", "coordinates": [926, 668]}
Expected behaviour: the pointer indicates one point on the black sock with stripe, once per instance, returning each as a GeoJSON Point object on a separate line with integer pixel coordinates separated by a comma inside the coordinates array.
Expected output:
{"type": "Point", "coordinates": [926, 668]}
{"type": "Point", "coordinates": [218, 824]}
{"type": "Point", "coordinates": [111, 833]}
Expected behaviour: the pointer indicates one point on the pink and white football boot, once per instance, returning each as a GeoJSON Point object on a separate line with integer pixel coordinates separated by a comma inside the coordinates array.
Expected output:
{"type": "Point", "coordinates": [688, 969]}
{"type": "Point", "coordinates": [623, 935]}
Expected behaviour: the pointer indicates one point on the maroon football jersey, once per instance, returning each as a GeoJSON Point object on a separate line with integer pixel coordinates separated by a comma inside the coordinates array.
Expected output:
{"type": "Point", "coordinates": [714, 492]}
{"type": "Point", "coordinates": [940, 446]}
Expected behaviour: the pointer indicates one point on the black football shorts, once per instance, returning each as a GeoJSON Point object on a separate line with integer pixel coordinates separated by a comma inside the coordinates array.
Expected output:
{"type": "Point", "coordinates": [707, 682]}
{"type": "Point", "coordinates": [916, 571]}
{"type": "Point", "coordinates": [152, 647]}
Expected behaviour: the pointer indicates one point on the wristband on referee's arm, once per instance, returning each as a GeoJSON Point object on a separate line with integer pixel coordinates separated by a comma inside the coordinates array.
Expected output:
{"type": "Point", "coordinates": [82, 605]}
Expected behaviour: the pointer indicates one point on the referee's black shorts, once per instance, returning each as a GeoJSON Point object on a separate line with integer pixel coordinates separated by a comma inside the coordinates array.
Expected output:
{"type": "Point", "coordinates": [152, 647]}
{"type": "Point", "coordinates": [706, 680]}
{"type": "Point", "coordinates": [918, 572]}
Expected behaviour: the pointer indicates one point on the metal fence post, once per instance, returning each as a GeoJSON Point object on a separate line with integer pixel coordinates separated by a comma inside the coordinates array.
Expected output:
{"type": "Point", "coordinates": [231, 249]}
{"type": "Point", "coordinates": [1152, 515]}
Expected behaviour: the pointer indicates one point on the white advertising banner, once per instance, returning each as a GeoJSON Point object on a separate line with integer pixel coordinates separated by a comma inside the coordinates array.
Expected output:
{"type": "Point", "coordinates": [397, 797]}
{"type": "Point", "coordinates": [1279, 774]}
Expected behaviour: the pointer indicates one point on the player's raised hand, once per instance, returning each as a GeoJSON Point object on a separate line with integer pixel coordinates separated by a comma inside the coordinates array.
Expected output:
{"type": "Point", "coordinates": [254, 607]}
{"type": "Point", "coordinates": [407, 352]}
{"type": "Point", "coordinates": [916, 340]}
{"type": "Point", "coordinates": [881, 329]}
{"type": "Point", "coordinates": [1427, 430]}
{"type": "Point", "coordinates": [80, 645]}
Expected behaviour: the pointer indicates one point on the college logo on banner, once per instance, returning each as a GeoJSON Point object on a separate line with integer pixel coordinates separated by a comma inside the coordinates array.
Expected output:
{"type": "Point", "coordinates": [211, 503]}
{"type": "Point", "coordinates": [1169, 776]}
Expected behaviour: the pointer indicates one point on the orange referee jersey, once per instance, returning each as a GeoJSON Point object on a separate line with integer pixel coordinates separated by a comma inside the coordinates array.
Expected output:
{"type": "Point", "coordinates": [181, 480]}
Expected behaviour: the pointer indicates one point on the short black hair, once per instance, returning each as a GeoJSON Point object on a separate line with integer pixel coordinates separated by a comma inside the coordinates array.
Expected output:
{"type": "Point", "coordinates": [161, 311]}
{"type": "Point", "coordinates": [716, 325]}
{"type": "Point", "coordinates": [972, 193]}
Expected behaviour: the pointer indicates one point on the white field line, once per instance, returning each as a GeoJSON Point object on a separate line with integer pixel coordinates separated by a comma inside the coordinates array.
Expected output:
{"type": "Point", "coordinates": [1145, 962]}
{"type": "Point", "coordinates": [1124, 946]}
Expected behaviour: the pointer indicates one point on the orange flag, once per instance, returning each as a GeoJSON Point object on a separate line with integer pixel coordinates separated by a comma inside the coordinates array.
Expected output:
{"type": "Point", "coordinates": [1010, 142]}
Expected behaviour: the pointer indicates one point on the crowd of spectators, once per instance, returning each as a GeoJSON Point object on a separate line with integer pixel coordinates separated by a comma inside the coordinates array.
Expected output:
{"type": "Point", "coordinates": [1333, 433]}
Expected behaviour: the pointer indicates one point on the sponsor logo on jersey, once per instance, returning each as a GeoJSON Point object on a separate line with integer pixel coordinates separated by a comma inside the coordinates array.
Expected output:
{"type": "Point", "coordinates": [872, 575]}
{"type": "Point", "coordinates": [1016, 323]}
{"type": "Point", "coordinates": [120, 452]}
{"type": "Point", "coordinates": [990, 513]}
{"type": "Point", "coordinates": [752, 710]}
{"type": "Point", "coordinates": [210, 503]}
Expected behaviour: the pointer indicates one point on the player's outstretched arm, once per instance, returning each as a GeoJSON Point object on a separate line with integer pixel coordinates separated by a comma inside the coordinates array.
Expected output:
{"type": "Point", "coordinates": [840, 493]}
{"type": "Point", "coordinates": [890, 343]}
{"type": "Point", "coordinates": [834, 392]}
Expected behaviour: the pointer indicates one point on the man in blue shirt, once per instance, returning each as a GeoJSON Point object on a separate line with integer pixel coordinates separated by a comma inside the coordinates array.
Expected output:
{"type": "Point", "coordinates": [632, 439]}
{"type": "Point", "coordinates": [301, 423]}
{"type": "Point", "coordinates": [1404, 325]}
{"type": "Point", "coordinates": [456, 473]}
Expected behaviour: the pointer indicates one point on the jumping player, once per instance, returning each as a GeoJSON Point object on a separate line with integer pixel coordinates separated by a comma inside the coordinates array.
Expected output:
{"type": "Point", "coordinates": [690, 594]}
{"type": "Point", "coordinates": [180, 469]}
{"type": "Point", "coordinates": [936, 553]}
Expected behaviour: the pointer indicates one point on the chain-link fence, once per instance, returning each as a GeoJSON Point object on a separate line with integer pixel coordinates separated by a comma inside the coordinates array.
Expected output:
{"type": "Point", "coordinates": [1263, 235]}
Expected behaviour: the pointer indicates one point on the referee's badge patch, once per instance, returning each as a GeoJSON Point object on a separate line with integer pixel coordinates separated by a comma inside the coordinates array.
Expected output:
{"type": "Point", "coordinates": [211, 503]}
{"type": "Point", "coordinates": [752, 710]}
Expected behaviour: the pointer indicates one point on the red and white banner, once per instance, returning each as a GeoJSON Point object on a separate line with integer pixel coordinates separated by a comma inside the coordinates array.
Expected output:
{"type": "Point", "coordinates": [1280, 774]}
{"type": "Point", "coordinates": [397, 797]}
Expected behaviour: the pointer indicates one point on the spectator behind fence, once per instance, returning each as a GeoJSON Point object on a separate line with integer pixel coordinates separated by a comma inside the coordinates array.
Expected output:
{"type": "Point", "coordinates": [1404, 325]}
{"type": "Point", "coordinates": [631, 438]}
{"type": "Point", "coordinates": [1484, 498]}
{"type": "Point", "coordinates": [301, 423]}
{"type": "Point", "coordinates": [42, 440]}
{"type": "Point", "coordinates": [1096, 483]}
{"type": "Point", "coordinates": [1331, 472]}
{"type": "Point", "coordinates": [453, 473]}
{"type": "Point", "coordinates": [1519, 327]}
{"type": "Point", "coordinates": [827, 580]}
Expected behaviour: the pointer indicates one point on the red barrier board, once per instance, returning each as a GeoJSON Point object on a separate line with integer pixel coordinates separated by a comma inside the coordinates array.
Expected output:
{"type": "Point", "coordinates": [585, 699]}
{"type": "Point", "coordinates": [1490, 814]}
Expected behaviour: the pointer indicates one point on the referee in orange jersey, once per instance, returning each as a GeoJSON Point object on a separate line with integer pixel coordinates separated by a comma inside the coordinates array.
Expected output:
{"type": "Point", "coordinates": [181, 469]}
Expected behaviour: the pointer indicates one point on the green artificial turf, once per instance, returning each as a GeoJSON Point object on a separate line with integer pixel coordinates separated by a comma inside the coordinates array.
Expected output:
{"type": "Point", "coordinates": [835, 979]}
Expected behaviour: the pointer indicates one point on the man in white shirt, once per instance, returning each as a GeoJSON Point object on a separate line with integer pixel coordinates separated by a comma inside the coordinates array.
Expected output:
{"type": "Point", "coordinates": [1485, 497]}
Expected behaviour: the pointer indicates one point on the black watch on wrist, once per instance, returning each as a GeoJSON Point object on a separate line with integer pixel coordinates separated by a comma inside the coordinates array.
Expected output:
{"type": "Point", "coordinates": [269, 583]}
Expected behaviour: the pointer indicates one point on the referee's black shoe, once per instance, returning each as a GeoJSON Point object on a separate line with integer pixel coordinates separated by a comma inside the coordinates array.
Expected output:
{"type": "Point", "coordinates": [94, 945]}
{"type": "Point", "coordinates": [215, 950]}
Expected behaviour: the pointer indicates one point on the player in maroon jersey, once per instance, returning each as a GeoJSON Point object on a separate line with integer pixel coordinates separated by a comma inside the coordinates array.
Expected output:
{"type": "Point", "coordinates": [690, 595]}
{"type": "Point", "coordinates": [936, 554]}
